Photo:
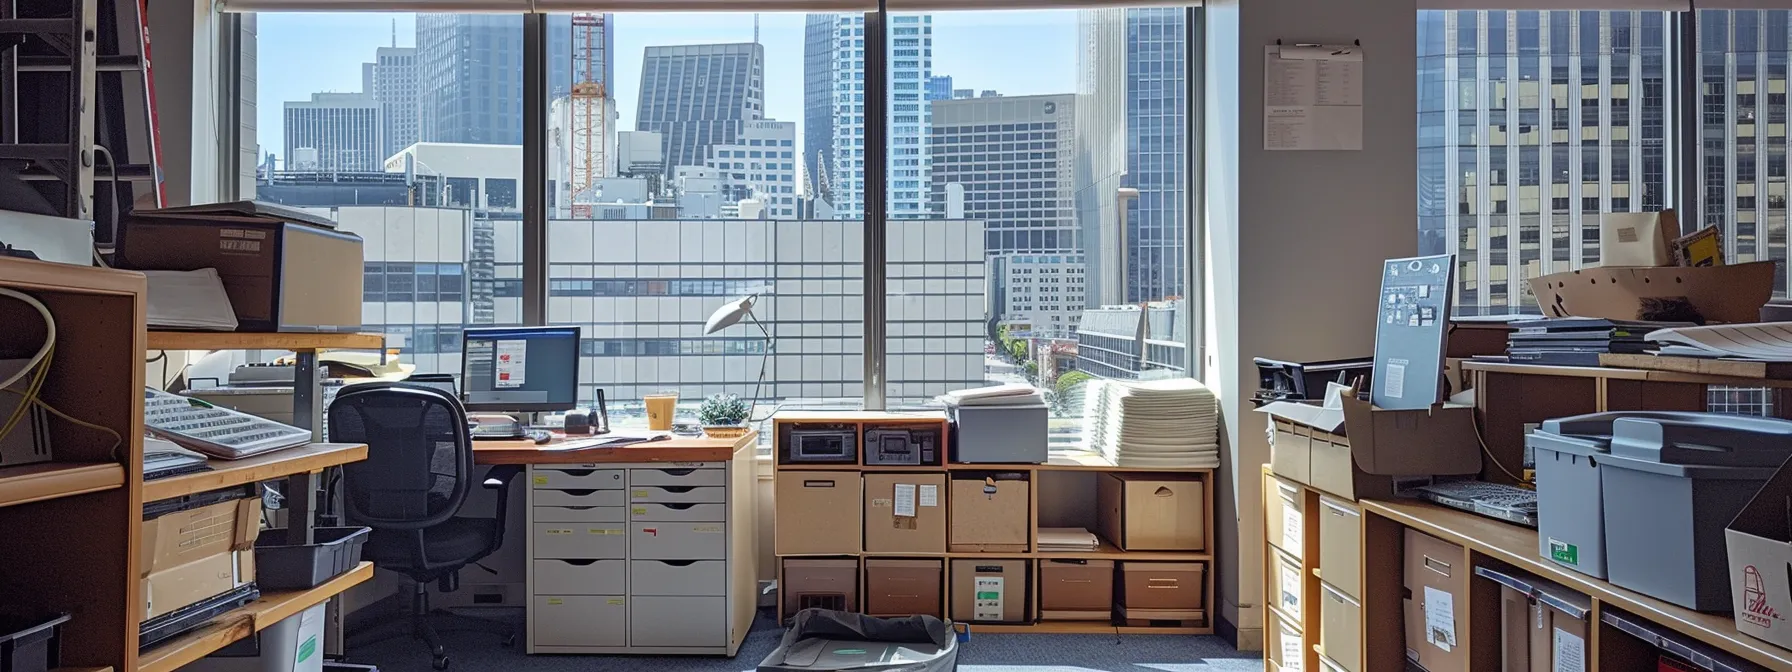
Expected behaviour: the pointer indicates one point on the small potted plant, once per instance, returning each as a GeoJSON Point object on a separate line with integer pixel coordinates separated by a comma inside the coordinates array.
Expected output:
{"type": "Point", "coordinates": [724, 416]}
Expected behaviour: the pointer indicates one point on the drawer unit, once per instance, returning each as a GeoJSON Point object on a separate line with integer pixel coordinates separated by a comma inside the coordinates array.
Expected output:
{"type": "Point", "coordinates": [1286, 517]}
{"type": "Point", "coordinates": [712, 476]}
{"type": "Point", "coordinates": [677, 541]}
{"type": "Point", "coordinates": [579, 514]}
{"type": "Point", "coordinates": [699, 513]}
{"type": "Point", "coordinates": [1178, 586]}
{"type": "Point", "coordinates": [579, 620]}
{"type": "Point", "coordinates": [1076, 590]}
{"type": "Point", "coordinates": [818, 512]}
{"type": "Point", "coordinates": [1287, 588]}
{"type": "Point", "coordinates": [1341, 628]}
{"type": "Point", "coordinates": [895, 588]}
{"type": "Point", "coordinates": [678, 577]}
{"type": "Point", "coordinates": [580, 541]}
{"type": "Point", "coordinates": [678, 621]}
{"type": "Point", "coordinates": [821, 583]}
{"type": "Point", "coordinates": [677, 494]}
{"type": "Point", "coordinates": [574, 477]}
{"type": "Point", "coordinates": [546, 497]}
{"type": "Point", "coordinates": [1340, 545]}
{"type": "Point", "coordinates": [1282, 642]}
{"type": "Point", "coordinates": [580, 577]}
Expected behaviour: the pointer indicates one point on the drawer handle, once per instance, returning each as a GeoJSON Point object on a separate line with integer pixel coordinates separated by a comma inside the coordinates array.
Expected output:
{"type": "Point", "coordinates": [1163, 491]}
{"type": "Point", "coordinates": [579, 493]}
{"type": "Point", "coordinates": [907, 596]}
{"type": "Point", "coordinates": [675, 489]}
{"type": "Point", "coordinates": [678, 507]}
{"type": "Point", "coordinates": [678, 472]}
{"type": "Point", "coordinates": [1074, 581]}
{"type": "Point", "coordinates": [579, 472]}
{"type": "Point", "coordinates": [1437, 565]}
{"type": "Point", "coordinates": [679, 563]}
{"type": "Point", "coordinates": [818, 483]}
{"type": "Point", "coordinates": [580, 563]}
{"type": "Point", "coordinates": [1172, 582]}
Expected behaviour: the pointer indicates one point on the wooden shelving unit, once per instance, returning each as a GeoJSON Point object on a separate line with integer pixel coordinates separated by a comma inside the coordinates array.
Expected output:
{"type": "Point", "coordinates": [233, 340]}
{"type": "Point", "coordinates": [49, 480]}
{"type": "Point", "coordinates": [268, 466]}
{"type": "Point", "coordinates": [1063, 495]}
{"type": "Point", "coordinates": [245, 621]}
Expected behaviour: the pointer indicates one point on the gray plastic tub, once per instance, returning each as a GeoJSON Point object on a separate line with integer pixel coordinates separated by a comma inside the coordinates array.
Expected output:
{"type": "Point", "coordinates": [1570, 498]}
{"type": "Point", "coordinates": [1665, 527]}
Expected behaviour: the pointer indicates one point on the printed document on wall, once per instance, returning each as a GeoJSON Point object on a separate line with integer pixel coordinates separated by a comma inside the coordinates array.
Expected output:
{"type": "Point", "coordinates": [1312, 97]}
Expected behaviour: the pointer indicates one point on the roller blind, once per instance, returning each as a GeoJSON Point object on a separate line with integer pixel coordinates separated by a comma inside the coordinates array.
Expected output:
{"type": "Point", "coordinates": [544, 6]}
{"type": "Point", "coordinates": [1657, 5]}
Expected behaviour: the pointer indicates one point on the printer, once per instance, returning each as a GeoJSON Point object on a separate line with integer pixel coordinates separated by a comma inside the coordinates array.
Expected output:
{"type": "Point", "coordinates": [1003, 424]}
{"type": "Point", "coordinates": [1641, 498]}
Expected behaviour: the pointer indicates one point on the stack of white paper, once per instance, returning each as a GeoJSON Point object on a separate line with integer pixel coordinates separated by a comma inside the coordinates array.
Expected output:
{"type": "Point", "coordinates": [1160, 423]}
{"type": "Point", "coordinates": [1012, 394]}
{"type": "Point", "coordinates": [189, 300]}
{"type": "Point", "coordinates": [1067, 540]}
{"type": "Point", "coordinates": [1763, 342]}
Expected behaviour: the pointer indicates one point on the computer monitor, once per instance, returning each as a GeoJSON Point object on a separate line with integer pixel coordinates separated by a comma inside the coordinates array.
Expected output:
{"type": "Point", "coordinates": [520, 369]}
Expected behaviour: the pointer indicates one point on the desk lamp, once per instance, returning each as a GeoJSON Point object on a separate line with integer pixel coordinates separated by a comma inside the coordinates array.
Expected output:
{"type": "Point", "coordinates": [731, 314]}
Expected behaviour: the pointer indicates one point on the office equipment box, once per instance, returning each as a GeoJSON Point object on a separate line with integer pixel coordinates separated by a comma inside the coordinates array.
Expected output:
{"type": "Point", "coordinates": [1152, 512]}
{"type": "Point", "coordinates": [1543, 624]}
{"type": "Point", "coordinates": [989, 512]}
{"type": "Point", "coordinates": [283, 269]}
{"type": "Point", "coordinates": [819, 583]}
{"type": "Point", "coordinates": [1013, 434]}
{"type": "Point", "coordinates": [1357, 451]}
{"type": "Point", "coordinates": [895, 587]}
{"type": "Point", "coordinates": [1436, 603]}
{"type": "Point", "coordinates": [1076, 590]}
{"type": "Point", "coordinates": [990, 590]}
{"type": "Point", "coordinates": [197, 549]}
{"type": "Point", "coordinates": [1163, 587]}
{"type": "Point", "coordinates": [819, 512]}
{"type": "Point", "coordinates": [904, 513]}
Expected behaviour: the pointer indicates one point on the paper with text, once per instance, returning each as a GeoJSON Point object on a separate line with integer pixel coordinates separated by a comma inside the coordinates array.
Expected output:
{"type": "Point", "coordinates": [1440, 618]}
{"type": "Point", "coordinates": [1312, 97]}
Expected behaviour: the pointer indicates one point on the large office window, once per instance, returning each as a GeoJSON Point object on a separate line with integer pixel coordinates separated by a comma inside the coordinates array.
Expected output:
{"type": "Point", "coordinates": [1531, 125]}
{"type": "Point", "coordinates": [1741, 80]}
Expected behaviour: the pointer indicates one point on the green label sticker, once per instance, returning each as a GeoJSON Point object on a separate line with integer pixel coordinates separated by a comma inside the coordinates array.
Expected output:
{"type": "Point", "coordinates": [1561, 551]}
{"type": "Point", "coordinates": [541, 480]}
{"type": "Point", "coordinates": [306, 650]}
{"type": "Point", "coordinates": [990, 595]}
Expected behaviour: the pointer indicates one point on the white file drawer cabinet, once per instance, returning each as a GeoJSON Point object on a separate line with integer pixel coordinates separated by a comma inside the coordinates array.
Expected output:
{"type": "Point", "coordinates": [580, 541]}
{"type": "Point", "coordinates": [678, 621]}
{"type": "Point", "coordinates": [695, 513]}
{"type": "Point", "coordinates": [676, 494]}
{"type": "Point", "coordinates": [581, 514]}
{"type": "Point", "coordinates": [580, 620]}
{"type": "Point", "coordinates": [678, 577]}
{"type": "Point", "coordinates": [678, 541]}
{"type": "Point", "coordinates": [581, 577]}
{"type": "Point", "coordinates": [544, 497]}
{"type": "Point", "coordinates": [715, 476]}
{"type": "Point", "coordinates": [572, 477]}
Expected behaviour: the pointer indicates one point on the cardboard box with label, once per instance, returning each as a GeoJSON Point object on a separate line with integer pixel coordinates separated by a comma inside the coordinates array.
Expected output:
{"type": "Point", "coordinates": [193, 554]}
{"type": "Point", "coordinates": [1436, 602]}
{"type": "Point", "coordinates": [1543, 625]}
{"type": "Point", "coordinates": [990, 590]}
{"type": "Point", "coordinates": [1759, 545]}
{"type": "Point", "coordinates": [818, 512]}
{"type": "Point", "coordinates": [1358, 451]}
{"type": "Point", "coordinates": [1152, 512]}
{"type": "Point", "coordinates": [989, 512]}
{"type": "Point", "coordinates": [905, 513]}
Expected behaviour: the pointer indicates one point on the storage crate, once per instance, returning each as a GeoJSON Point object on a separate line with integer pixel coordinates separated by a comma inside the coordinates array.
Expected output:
{"type": "Point", "coordinates": [280, 566]}
{"type": "Point", "coordinates": [31, 644]}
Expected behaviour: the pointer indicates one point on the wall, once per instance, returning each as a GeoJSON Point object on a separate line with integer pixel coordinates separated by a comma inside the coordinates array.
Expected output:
{"type": "Point", "coordinates": [1295, 238]}
{"type": "Point", "coordinates": [186, 46]}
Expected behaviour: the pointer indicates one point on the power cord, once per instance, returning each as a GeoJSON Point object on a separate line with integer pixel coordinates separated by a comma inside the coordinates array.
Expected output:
{"type": "Point", "coordinates": [1489, 453]}
{"type": "Point", "coordinates": [112, 166]}
{"type": "Point", "coordinates": [37, 366]}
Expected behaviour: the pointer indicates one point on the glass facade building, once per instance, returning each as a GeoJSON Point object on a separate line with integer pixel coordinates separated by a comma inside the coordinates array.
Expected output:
{"type": "Point", "coordinates": [699, 96]}
{"type": "Point", "coordinates": [471, 70]}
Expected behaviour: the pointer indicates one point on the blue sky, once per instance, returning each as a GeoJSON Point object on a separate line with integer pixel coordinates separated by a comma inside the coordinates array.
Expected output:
{"type": "Point", "coordinates": [1016, 53]}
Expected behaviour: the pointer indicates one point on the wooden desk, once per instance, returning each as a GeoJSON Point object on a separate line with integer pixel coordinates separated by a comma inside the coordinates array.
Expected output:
{"type": "Point", "coordinates": [678, 449]}
{"type": "Point", "coordinates": [306, 460]}
{"type": "Point", "coordinates": [245, 621]}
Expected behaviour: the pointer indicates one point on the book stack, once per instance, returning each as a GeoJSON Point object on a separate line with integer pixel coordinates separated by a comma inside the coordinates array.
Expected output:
{"type": "Point", "coordinates": [1160, 423]}
{"type": "Point", "coordinates": [1578, 341]}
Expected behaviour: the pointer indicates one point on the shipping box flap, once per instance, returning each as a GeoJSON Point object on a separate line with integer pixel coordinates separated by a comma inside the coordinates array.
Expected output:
{"type": "Point", "coordinates": [1436, 441]}
{"type": "Point", "coordinates": [1310, 414]}
{"type": "Point", "coordinates": [1759, 545]}
{"type": "Point", "coordinates": [1707, 294]}
{"type": "Point", "coordinates": [185, 536]}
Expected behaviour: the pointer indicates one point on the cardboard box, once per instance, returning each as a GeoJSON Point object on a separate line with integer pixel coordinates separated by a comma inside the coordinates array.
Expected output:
{"type": "Point", "coordinates": [1358, 451]}
{"type": "Point", "coordinates": [1437, 602]}
{"type": "Point", "coordinates": [190, 555]}
{"type": "Point", "coordinates": [818, 512]}
{"type": "Point", "coordinates": [1638, 238]}
{"type": "Point", "coordinates": [1076, 590]}
{"type": "Point", "coordinates": [990, 512]}
{"type": "Point", "coordinates": [824, 583]}
{"type": "Point", "coordinates": [990, 590]}
{"type": "Point", "coordinates": [1541, 622]}
{"type": "Point", "coordinates": [282, 271]}
{"type": "Point", "coordinates": [1165, 587]}
{"type": "Point", "coordinates": [1759, 545]}
{"type": "Point", "coordinates": [904, 587]}
{"type": "Point", "coordinates": [905, 513]}
{"type": "Point", "coordinates": [1731, 294]}
{"type": "Point", "coordinates": [1152, 512]}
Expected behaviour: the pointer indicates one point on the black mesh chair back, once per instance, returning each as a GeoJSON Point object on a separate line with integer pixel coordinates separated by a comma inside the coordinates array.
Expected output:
{"type": "Point", "coordinates": [419, 464]}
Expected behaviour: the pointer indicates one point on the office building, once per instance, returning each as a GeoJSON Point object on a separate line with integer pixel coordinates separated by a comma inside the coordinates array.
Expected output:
{"type": "Point", "coordinates": [908, 165]}
{"type": "Point", "coordinates": [481, 177]}
{"type": "Point", "coordinates": [761, 164]}
{"type": "Point", "coordinates": [340, 130]}
{"type": "Point", "coordinates": [1015, 160]}
{"type": "Point", "coordinates": [818, 101]}
{"type": "Point", "coordinates": [1132, 125]}
{"type": "Point", "coordinates": [1743, 189]}
{"type": "Point", "coordinates": [471, 71]}
{"type": "Point", "coordinates": [395, 88]}
{"type": "Point", "coordinates": [1040, 295]}
{"type": "Point", "coordinates": [1131, 342]}
{"type": "Point", "coordinates": [939, 87]}
{"type": "Point", "coordinates": [698, 96]}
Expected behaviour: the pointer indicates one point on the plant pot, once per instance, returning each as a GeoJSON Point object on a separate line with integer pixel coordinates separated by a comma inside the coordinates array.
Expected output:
{"type": "Point", "coordinates": [725, 431]}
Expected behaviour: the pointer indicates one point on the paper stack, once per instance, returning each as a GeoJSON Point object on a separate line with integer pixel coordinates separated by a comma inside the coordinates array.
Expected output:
{"type": "Point", "coordinates": [1067, 540]}
{"type": "Point", "coordinates": [189, 300]}
{"type": "Point", "coordinates": [1160, 423]}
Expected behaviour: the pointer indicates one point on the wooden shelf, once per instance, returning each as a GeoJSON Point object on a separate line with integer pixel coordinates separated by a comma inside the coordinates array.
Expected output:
{"type": "Point", "coordinates": [51, 480]}
{"type": "Point", "coordinates": [241, 623]}
{"type": "Point", "coordinates": [229, 473]}
{"type": "Point", "coordinates": [236, 340]}
{"type": "Point", "coordinates": [82, 669]}
{"type": "Point", "coordinates": [1107, 551]}
{"type": "Point", "coordinates": [1058, 462]}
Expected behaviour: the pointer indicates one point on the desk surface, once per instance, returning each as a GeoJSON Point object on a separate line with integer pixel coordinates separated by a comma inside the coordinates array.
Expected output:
{"type": "Point", "coordinates": [277, 464]}
{"type": "Point", "coordinates": [678, 449]}
{"type": "Point", "coordinates": [1518, 546]}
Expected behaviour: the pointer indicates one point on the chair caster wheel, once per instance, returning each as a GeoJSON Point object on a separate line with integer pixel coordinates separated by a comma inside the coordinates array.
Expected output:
{"type": "Point", "coordinates": [441, 663]}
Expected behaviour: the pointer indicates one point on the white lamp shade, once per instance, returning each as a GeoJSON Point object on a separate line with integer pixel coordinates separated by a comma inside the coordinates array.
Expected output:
{"type": "Point", "coordinates": [728, 315]}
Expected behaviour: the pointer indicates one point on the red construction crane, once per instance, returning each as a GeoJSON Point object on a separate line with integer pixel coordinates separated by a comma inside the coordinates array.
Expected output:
{"type": "Point", "coordinates": [590, 102]}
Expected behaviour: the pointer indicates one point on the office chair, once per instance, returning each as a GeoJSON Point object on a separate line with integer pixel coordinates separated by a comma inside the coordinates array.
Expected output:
{"type": "Point", "coordinates": [417, 474]}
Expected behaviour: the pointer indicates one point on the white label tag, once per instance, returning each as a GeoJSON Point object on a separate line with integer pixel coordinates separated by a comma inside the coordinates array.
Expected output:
{"type": "Point", "coordinates": [1291, 589]}
{"type": "Point", "coordinates": [930, 495]}
{"type": "Point", "coordinates": [1291, 528]}
{"type": "Point", "coordinates": [1570, 652]}
{"type": "Point", "coordinates": [1292, 655]}
{"type": "Point", "coordinates": [905, 500]}
{"type": "Point", "coordinates": [1440, 618]}
{"type": "Point", "coordinates": [988, 605]}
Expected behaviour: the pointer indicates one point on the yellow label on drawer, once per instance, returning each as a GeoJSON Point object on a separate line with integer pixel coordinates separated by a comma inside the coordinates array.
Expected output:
{"type": "Point", "coordinates": [559, 531]}
{"type": "Point", "coordinates": [541, 479]}
{"type": "Point", "coordinates": [640, 493]}
{"type": "Point", "coordinates": [555, 601]}
{"type": "Point", "coordinates": [706, 528]}
{"type": "Point", "coordinates": [601, 531]}
{"type": "Point", "coordinates": [640, 510]}
{"type": "Point", "coordinates": [615, 601]}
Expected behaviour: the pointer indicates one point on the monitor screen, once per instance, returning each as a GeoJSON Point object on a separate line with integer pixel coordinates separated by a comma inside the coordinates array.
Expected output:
{"type": "Point", "coordinates": [520, 369]}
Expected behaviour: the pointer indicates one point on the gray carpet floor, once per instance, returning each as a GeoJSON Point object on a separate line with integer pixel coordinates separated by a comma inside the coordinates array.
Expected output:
{"type": "Point", "coordinates": [480, 652]}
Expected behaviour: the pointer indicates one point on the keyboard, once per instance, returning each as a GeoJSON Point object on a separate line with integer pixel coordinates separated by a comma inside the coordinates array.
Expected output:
{"type": "Point", "coordinates": [1509, 503]}
{"type": "Point", "coordinates": [217, 432]}
{"type": "Point", "coordinates": [167, 464]}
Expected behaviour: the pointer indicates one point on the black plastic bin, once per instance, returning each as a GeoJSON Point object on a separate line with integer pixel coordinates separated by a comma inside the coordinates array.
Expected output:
{"type": "Point", "coordinates": [30, 644]}
{"type": "Point", "coordinates": [282, 566]}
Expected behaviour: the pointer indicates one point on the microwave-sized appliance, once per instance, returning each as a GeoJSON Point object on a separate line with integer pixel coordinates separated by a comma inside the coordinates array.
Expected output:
{"type": "Point", "coordinates": [823, 443]}
{"type": "Point", "coordinates": [902, 446]}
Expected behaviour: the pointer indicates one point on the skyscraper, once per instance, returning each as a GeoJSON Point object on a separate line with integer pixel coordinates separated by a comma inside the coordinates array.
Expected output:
{"type": "Point", "coordinates": [1743, 54]}
{"type": "Point", "coordinates": [340, 132]}
{"type": "Point", "coordinates": [939, 87]}
{"type": "Point", "coordinates": [908, 167]}
{"type": "Point", "coordinates": [1513, 173]}
{"type": "Point", "coordinates": [1014, 159]}
{"type": "Point", "coordinates": [470, 68]}
{"type": "Point", "coordinates": [395, 86]}
{"type": "Point", "coordinates": [1131, 124]}
{"type": "Point", "coordinates": [701, 95]}
{"type": "Point", "coordinates": [818, 99]}
{"type": "Point", "coordinates": [760, 164]}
